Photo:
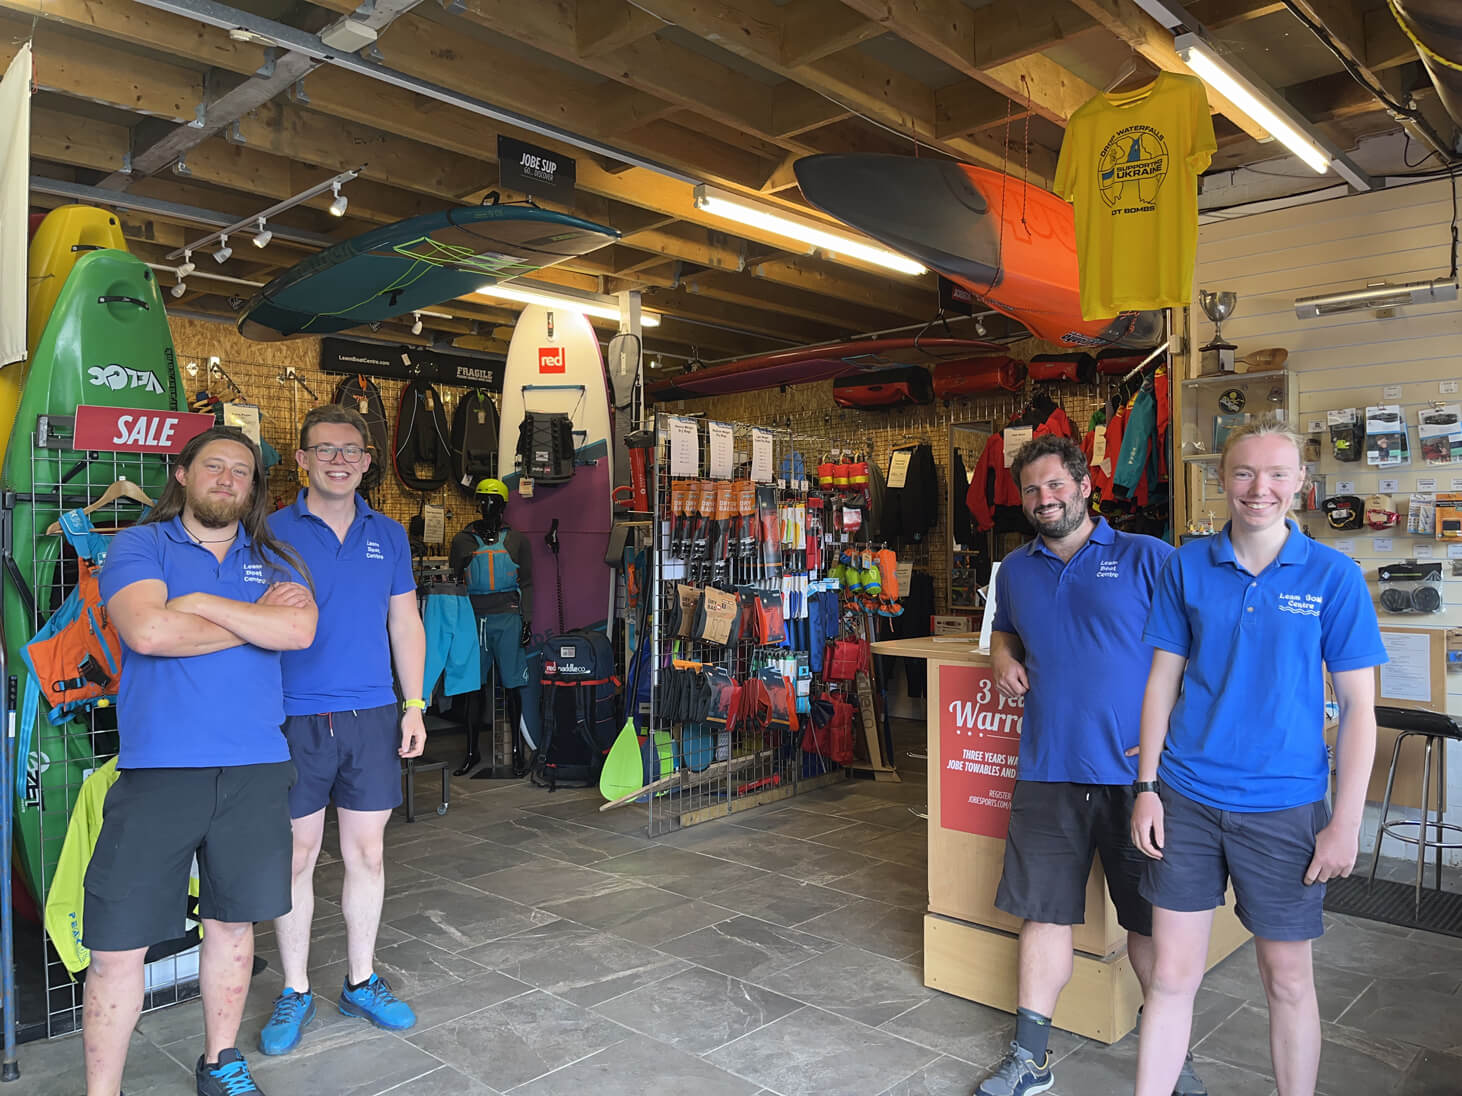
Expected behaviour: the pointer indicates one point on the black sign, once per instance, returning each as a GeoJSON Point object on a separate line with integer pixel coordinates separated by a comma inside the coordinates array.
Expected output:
{"type": "Point", "coordinates": [955, 299]}
{"type": "Point", "coordinates": [535, 170]}
{"type": "Point", "coordinates": [412, 363]}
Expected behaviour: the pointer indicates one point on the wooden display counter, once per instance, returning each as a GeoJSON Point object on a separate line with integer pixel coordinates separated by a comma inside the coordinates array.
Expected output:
{"type": "Point", "coordinates": [970, 947]}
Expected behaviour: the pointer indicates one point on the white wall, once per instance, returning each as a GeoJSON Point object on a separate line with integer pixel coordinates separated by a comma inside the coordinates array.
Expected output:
{"type": "Point", "coordinates": [1395, 235]}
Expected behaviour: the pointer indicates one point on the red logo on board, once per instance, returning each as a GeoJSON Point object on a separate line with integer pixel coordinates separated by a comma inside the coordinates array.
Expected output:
{"type": "Point", "coordinates": [551, 359]}
{"type": "Point", "coordinates": [979, 744]}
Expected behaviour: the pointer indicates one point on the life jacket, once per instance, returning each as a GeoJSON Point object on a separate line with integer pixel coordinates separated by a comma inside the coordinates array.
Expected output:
{"type": "Point", "coordinates": [421, 439]}
{"type": "Point", "coordinates": [490, 569]}
{"type": "Point", "coordinates": [359, 393]}
{"type": "Point", "coordinates": [474, 439]}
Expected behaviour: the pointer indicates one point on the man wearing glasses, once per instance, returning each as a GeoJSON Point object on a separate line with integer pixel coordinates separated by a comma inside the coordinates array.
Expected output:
{"type": "Point", "coordinates": [346, 734]}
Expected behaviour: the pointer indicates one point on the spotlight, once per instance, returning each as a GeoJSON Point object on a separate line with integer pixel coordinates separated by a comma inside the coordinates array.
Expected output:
{"type": "Point", "coordinates": [224, 253]}
{"type": "Point", "coordinates": [178, 290]}
{"type": "Point", "coordinates": [980, 328]}
{"type": "Point", "coordinates": [416, 327]}
{"type": "Point", "coordinates": [187, 266]}
{"type": "Point", "coordinates": [341, 202]}
{"type": "Point", "coordinates": [263, 236]}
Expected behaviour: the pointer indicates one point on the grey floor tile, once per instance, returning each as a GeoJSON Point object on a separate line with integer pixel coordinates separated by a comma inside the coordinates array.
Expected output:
{"type": "Point", "coordinates": [56, 1068]}
{"type": "Point", "coordinates": [697, 1010]}
{"type": "Point", "coordinates": [453, 1000]}
{"type": "Point", "coordinates": [327, 945]}
{"type": "Point", "coordinates": [1432, 1074]}
{"type": "Point", "coordinates": [880, 812]}
{"type": "Point", "coordinates": [1391, 1008]}
{"type": "Point", "coordinates": [894, 931]}
{"type": "Point", "coordinates": [520, 1039]}
{"type": "Point", "coordinates": [647, 915]}
{"type": "Point", "coordinates": [457, 917]}
{"type": "Point", "coordinates": [744, 947]}
{"type": "Point", "coordinates": [580, 964]}
{"type": "Point", "coordinates": [909, 847]}
{"type": "Point", "coordinates": [811, 1053]}
{"type": "Point", "coordinates": [804, 861]}
{"type": "Point", "coordinates": [442, 1081]}
{"type": "Point", "coordinates": [968, 1031]}
{"type": "Point", "coordinates": [794, 822]}
{"type": "Point", "coordinates": [374, 1064]}
{"type": "Point", "coordinates": [784, 903]}
{"type": "Point", "coordinates": [943, 1077]}
{"type": "Point", "coordinates": [1099, 1070]}
{"type": "Point", "coordinates": [853, 983]}
{"type": "Point", "coordinates": [1365, 947]}
{"type": "Point", "coordinates": [541, 881]}
{"type": "Point", "coordinates": [471, 860]}
{"type": "Point", "coordinates": [892, 884]}
{"type": "Point", "coordinates": [528, 829]}
{"type": "Point", "coordinates": [406, 843]}
{"type": "Point", "coordinates": [689, 873]}
{"type": "Point", "coordinates": [636, 1066]}
{"type": "Point", "coordinates": [413, 967]}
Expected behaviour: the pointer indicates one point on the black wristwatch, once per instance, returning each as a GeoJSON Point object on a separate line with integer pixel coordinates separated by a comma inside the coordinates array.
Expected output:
{"type": "Point", "coordinates": [1140, 786]}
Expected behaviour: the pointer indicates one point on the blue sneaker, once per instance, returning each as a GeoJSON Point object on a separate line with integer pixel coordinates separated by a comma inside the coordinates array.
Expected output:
{"type": "Point", "coordinates": [292, 1011]}
{"type": "Point", "coordinates": [375, 1002]}
{"type": "Point", "coordinates": [1018, 1075]}
{"type": "Point", "coordinates": [230, 1077]}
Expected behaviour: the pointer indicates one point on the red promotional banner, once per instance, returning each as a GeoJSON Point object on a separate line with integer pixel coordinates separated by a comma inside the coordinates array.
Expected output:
{"type": "Point", "coordinates": [979, 743]}
{"type": "Point", "coordinates": [133, 430]}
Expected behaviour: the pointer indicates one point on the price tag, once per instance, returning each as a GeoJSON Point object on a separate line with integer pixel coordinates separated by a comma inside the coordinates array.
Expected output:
{"type": "Point", "coordinates": [1314, 426]}
{"type": "Point", "coordinates": [1390, 486]}
{"type": "Point", "coordinates": [1426, 485]}
{"type": "Point", "coordinates": [1447, 388]}
{"type": "Point", "coordinates": [434, 523]}
{"type": "Point", "coordinates": [1099, 447]}
{"type": "Point", "coordinates": [1346, 545]}
{"type": "Point", "coordinates": [1391, 392]}
{"type": "Point", "coordinates": [898, 467]}
{"type": "Point", "coordinates": [1454, 551]}
{"type": "Point", "coordinates": [1381, 544]}
{"type": "Point", "coordinates": [1015, 437]}
{"type": "Point", "coordinates": [1456, 483]}
{"type": "Point", "coordinates": [1423, 550]}
{"type": "Point", "coordinates": [904, 572]}
{"type": "Point", "coordinates": [722, 449]}
{"type": "Point", "coordinates": [685, 448]}
{"type": "Point", "coordinates": [1345, 487]}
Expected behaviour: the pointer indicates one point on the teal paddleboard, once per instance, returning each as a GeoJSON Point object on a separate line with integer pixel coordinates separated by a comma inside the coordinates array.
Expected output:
{"type": "Point", "coordinates": [106, 343]}
{"type": "Point", "coordinates": [413, 264]}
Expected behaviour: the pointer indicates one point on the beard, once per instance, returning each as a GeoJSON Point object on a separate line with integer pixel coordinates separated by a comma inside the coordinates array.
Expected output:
{"type": "Point", "coordinates": [218, 513]}
{"type": "Point", "coordinates": [1070, 519]}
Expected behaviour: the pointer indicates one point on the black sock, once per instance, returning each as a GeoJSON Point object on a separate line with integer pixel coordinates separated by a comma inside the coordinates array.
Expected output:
{"type": "Point", "coordinates": [1032, 1032]}
{"type": "Point", "coordinates": [353, 986]}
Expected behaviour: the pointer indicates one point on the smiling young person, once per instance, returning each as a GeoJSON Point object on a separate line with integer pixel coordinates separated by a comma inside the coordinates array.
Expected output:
{"type": "Point", "coordinates": [1233, 774]}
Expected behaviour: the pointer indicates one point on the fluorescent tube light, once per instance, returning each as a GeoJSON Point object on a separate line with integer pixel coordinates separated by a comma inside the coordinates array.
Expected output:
{"type": "Point", "coordinates": [721, 203]}
{"type": "Point", "coordinates": [595, 304]}
{"type": "Point", "coordinates": [1224, 78]}
{"type": "Point", "coordinates": [1377, 295]}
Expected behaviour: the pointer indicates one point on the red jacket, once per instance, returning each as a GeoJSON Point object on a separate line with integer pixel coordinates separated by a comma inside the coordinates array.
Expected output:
{"type": "Point", "coordinates": [992, 485]}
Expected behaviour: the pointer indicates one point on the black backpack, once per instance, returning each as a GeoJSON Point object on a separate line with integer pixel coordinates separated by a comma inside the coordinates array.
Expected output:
{"type": "Point", "coordinates": [580, 708]}
{"type": "Point", "coordinates": [359, 393]}
{"type": "Point", "coordinates": [421, 439]}
{"type": "Point", "coordinates": [474, 439]}
{"type": "Point", "coordinates": [546, 447]}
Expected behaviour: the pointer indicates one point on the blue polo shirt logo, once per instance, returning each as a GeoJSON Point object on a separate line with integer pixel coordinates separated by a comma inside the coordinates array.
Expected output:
{"type": "Point", "coordinates": [254, 572]}
{"type": "Point", "coordinates": [1107, 568]}
{"type": "Point", "coordinates": [373, 551]}
{"type": "Point", "coordinates": [1300, 604]}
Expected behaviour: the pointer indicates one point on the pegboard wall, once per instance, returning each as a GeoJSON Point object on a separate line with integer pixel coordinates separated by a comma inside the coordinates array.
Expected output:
{"type": "Point", "coordinates": [810, 409]}
{"type": "Point", "coordinates": [259, 370]}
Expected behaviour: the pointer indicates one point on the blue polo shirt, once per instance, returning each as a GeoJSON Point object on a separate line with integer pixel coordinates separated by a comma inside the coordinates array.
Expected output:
{"type": "Point", "coordinates": [1247, 733]}
{"type": "Point", "coordinates": [348, 667]}
{"type": "Point", "coordinates": [1081, 626]}
{"type": "Point", "coordinates": [196, 711]}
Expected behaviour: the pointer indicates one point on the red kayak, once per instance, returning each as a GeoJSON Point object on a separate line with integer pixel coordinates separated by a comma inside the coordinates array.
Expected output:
{"type": "Point", "coordinates": [948, 216]}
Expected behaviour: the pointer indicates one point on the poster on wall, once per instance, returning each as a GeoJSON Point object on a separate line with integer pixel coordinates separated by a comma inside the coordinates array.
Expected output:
{"type": "Point", "coordinates": [979, 744]}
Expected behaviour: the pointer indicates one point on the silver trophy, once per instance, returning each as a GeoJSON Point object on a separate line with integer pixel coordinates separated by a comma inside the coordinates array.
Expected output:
{"type": "Point", "coordinates": [1218, 355]}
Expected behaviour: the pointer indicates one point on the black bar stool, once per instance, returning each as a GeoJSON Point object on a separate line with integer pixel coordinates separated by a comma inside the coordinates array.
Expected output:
{"type": "Point", "coordinates": [1435, 729]}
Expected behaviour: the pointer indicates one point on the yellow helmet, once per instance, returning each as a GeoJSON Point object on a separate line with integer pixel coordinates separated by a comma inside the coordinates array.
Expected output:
{"type": "Point", "coordinates": [491, 487]}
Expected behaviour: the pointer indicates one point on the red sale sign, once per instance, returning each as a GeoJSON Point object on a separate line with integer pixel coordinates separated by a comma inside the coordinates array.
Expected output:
{"type": "Point", "coordinates": [551, 359]}
{"type": "Point", "coordinates": [979, 744]}
{"type": "Point", "coordinates": [133, 430]}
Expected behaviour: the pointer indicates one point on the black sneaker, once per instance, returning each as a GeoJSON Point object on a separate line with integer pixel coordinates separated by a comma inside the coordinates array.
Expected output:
{"type": "Point", "coordinates": [230, 1077]}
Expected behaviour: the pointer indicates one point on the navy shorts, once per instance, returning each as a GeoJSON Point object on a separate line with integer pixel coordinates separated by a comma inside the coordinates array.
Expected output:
{"type": "Point", "coordinates": [235, 820]}
{"type": "Point", "coordinates": [348, 758]}
{"type": "Point", "coordinates": [1055, 829]}
{"type": "Point", "coordinates": [1264, 853]}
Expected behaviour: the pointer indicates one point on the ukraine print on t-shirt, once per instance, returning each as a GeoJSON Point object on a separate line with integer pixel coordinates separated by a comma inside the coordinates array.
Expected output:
{"type": "Point", "coordinates": [1133, 165]}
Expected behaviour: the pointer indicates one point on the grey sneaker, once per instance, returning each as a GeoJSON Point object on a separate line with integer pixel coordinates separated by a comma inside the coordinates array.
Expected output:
{"type": "Point", "coordinates": [1018, 1075]}
{"type": "Point", "coordinates": [1188, 1082]}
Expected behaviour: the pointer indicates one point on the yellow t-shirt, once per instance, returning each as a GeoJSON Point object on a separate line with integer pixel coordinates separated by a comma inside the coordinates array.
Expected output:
{"type": "Point", "coordinates": [1130, 164]}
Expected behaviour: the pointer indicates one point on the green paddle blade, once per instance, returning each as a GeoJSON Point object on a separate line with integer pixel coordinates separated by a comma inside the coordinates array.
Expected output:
{"type": "Point", "coordinates": [623, 771]}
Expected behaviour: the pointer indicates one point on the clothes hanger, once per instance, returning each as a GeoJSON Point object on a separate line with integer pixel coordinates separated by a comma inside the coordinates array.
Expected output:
{"type": "Point", "coordinates": [120, 489]}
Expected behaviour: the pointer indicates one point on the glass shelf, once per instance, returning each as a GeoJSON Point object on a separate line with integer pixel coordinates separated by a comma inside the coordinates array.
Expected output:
{"type": "Point", "coordinates": [1233, 378]}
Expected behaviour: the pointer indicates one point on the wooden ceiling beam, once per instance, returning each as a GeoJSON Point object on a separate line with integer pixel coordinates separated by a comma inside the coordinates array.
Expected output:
{"type": "Point", "coordinates": [742, 290]}
{"type": "Point", "coordinates": [969, 106]}
{"type": "Point", "coordinates": [814, 29]}
{"type": "Point", "coordinates": [761, 321]}
{"type": "Point", "coordinates": [603, 26]}
{"type": "Point", "coordinates": [919, 300]}
{"type": "Point", "coordinates": [1011, 31]}
{"type": "Point", "coordinates": [79, 142]}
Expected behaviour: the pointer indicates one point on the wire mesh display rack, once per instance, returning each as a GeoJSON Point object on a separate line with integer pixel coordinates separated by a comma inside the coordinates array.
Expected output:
{"type": "Point", "coordinates": [721, 768]}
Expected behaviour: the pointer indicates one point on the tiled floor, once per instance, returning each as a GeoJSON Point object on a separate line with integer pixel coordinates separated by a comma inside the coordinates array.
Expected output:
{"type": "Point", "coordinates": [550, 949]}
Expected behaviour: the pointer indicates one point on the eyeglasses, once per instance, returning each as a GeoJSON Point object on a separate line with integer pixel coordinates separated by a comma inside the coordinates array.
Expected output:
{"type": "Point", "coordinates": [351, 453]}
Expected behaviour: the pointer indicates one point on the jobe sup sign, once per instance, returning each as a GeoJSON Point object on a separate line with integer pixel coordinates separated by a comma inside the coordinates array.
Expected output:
{"type": "Point", "coordinates": [134, 430]}
{"type": "Point", "coordinates": [979, 744]}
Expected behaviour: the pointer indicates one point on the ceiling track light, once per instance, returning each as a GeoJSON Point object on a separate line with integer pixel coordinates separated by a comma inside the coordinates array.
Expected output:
{"type": "Point", "coordinates": [416, 323]}
{"type": "Point", "coordinates": [224, 253]}
{"type": "Point", "coordinates": [263, 235]}
{"type": "Point", "coordinates": [255, 222]}
{"type": "Point", "coordinates": [601, 305]}
{"type": "Point", "coordinates": [178, 290]}
{"type": "Point", "coordinates": [186, 267]}
{"type": "Point", "coordinates": [818, 236]}
{"type": "Point", "coordinates": [341, 202]}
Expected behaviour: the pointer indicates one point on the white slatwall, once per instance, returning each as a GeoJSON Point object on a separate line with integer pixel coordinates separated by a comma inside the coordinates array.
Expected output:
{"type": "Point", "coordinates": [1395, 235]}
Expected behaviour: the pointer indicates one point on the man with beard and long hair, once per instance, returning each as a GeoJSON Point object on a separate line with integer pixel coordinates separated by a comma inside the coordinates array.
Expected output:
{"type": "Point", "coordinates": [1072, 602]}
{"type": "Point", "coordinates": [204, 599]}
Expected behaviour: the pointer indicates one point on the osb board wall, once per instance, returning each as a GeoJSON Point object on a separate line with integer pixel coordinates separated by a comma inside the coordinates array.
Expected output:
{"type": "Point", "coordinates": [258, 369]}
{"type": "Point", "coordinates": [810, 409]}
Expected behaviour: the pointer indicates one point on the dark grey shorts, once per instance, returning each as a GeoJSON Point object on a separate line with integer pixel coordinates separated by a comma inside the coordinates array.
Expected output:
{"type": "Point", "coordinates": [348, 758]}
{"type": "Point", "coordinates": [1055, 829]}
{"type": "Point", "coordinates": [154, 821]}
{"type": "Point", "coordinates": [1264, 853]}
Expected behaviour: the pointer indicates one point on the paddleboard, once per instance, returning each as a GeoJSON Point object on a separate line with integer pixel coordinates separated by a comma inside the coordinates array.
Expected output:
{"type": "Point", "coordinates": [804, 364]}
{"type": "Point", "coordinates": [948, 216]}
{"type": "Point", "coordinates": [554, 365]}
{"type": "Point", "coordinates": [57, 241]}
{"type": "Point", "coordinates": [416, 263]}
{"type": "Point", "coordinates": [106, 343]}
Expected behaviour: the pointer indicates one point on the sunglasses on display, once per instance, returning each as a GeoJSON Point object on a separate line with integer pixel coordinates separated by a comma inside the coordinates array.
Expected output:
{"type": "Point", "coordinates": [351, 453]}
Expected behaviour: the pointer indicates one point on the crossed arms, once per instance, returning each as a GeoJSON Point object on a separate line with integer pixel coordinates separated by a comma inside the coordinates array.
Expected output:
{"type": "Point", "coordinates": [198, 624]}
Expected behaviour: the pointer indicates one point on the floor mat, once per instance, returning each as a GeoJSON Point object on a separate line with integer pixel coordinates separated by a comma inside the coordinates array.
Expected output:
{"type": "Point", "coordinates": [1395, 903]}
